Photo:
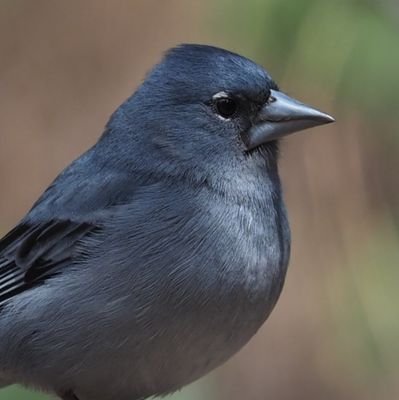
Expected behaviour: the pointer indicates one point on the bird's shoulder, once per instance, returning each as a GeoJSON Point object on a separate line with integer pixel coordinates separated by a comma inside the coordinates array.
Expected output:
{"type": "Point", "coordinates": [85, 188]}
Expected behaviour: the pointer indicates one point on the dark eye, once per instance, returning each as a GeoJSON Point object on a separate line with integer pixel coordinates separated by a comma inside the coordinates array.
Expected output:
{"type": "Point", "coordinates": [226, 107]}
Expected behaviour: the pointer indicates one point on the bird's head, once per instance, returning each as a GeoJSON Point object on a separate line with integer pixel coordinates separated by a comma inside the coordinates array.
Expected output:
{"type": "Point", "coordinates": [205, 103]}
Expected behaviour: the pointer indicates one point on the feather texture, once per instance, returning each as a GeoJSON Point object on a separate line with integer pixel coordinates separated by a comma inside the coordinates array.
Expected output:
{"type": "Point", "coordinates": [30, 253]}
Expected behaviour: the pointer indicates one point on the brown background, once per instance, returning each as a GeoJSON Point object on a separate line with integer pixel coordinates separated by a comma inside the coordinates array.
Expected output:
{"type": "Point", "coordinates": [65, 66]}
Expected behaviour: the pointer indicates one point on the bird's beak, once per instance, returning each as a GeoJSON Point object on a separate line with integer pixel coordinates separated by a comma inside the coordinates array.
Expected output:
{"type": "Point", "coordinates": [280, 116]}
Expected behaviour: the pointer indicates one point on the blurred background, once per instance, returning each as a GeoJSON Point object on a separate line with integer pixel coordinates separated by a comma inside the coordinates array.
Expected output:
{"type": "Point", "coordinates": [66, 65]}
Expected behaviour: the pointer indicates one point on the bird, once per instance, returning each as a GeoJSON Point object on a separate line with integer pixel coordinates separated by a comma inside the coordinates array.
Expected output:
{"type": "Point", "coordinates": [157, 254]}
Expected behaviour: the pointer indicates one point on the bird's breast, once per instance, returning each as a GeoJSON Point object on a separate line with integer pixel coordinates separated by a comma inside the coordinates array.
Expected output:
{"type": "Point", "coordinates": [251, 249]}
{"type": "Point", "coordinates": [234, 278]}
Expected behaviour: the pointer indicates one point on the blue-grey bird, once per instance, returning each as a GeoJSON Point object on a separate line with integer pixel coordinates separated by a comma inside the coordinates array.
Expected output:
{"type": "Point", "coordinates": [158, 253]}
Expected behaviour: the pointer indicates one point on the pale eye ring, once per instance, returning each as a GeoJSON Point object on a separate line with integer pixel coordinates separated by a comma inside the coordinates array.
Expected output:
{"type": "Point", "coordinates": [225, 106]}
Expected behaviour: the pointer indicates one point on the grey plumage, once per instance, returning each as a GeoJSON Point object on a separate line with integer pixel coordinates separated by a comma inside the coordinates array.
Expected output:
{"type": "Point", "coordinates": [157, 254]}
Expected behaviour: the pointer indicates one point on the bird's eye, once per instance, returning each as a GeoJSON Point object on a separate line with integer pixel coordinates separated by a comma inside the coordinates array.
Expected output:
{"type": "Point", "coordinates": [226, 107]}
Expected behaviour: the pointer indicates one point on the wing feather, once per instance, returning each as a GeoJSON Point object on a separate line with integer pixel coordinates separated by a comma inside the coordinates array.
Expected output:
{"type": "Point", "coordinates": [31, 253]}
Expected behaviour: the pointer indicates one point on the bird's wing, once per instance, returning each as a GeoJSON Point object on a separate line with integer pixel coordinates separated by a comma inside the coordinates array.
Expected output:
{"type": "Point", "coordinates": [47, 239]}
{"type": "Point", "coordinates": [32, 252]}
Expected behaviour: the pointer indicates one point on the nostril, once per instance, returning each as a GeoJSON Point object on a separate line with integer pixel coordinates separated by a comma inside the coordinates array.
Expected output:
{"type": "Point", "coordinates": [271, 99]}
